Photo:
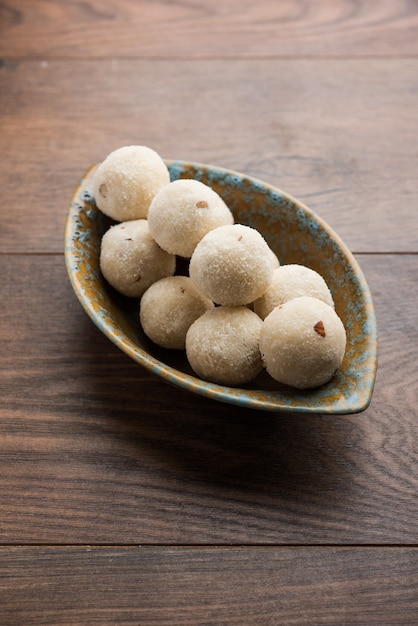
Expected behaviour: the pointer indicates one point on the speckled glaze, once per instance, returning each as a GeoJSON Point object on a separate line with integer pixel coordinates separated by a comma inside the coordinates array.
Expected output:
{"type": "Point", "coordinates": [296, 234]}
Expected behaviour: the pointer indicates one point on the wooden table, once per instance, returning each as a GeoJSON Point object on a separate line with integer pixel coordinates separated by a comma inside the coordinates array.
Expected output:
{"type": "Point", "coordinates": [126, 501]}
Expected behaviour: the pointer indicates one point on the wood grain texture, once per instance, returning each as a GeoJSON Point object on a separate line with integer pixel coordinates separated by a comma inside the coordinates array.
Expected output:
{"type": "Point", "coordinates": [241, 586]}
{"type": "Point", "coordinates": [221, 28]}
{"type": "Point", "coordinates": [97, 450]}
{"type": "Point", "coordinates": [325, 131]}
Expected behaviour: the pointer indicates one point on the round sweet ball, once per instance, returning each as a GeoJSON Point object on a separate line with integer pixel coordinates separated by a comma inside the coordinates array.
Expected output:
{"type": "Point", "coordinates": [232, 265]}
{"type": "Point", "coordinates": [222, 345]}
{"type": "Point", "coordinates": [127, 180]}
{"type": "Point", "coordinates": [131, 261]}
{"type": "Point", "coordinates": [302, 342]}
{"type": "Point", "coordinates": [292, 281]}
{"type": "Point", "coordinates": [168, 309]}
{"type": "Point", "coordinates": [183, 212]}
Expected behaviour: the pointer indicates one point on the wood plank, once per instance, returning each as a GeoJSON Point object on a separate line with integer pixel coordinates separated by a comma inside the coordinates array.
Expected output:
{"type": "Point", "coordinates": [168, 586]}
{"type": "Point", "coordinates": [332, 133]}
{"type": "Point", "coordinates": [96, 450]}
{"type": "Point", "coordinates": [225, 28]}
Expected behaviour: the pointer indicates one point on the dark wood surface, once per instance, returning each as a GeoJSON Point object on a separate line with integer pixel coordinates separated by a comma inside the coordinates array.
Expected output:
{"type": "Point", "coordinates": [124, 500]}
{"type": "Point", "coordinates": [209, 585]}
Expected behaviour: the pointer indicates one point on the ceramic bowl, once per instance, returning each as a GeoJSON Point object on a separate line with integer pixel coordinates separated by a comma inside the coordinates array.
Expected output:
{"type": "Point", "coordinates": [296, 234]}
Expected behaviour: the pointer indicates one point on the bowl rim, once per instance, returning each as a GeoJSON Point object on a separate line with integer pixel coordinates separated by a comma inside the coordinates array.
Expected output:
{"type": "Point", "coordinates": [266, 400]}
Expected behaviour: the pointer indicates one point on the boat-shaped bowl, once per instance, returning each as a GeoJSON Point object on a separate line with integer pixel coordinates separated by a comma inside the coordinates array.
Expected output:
{"type": "Point", "coordinates": [296, 234]}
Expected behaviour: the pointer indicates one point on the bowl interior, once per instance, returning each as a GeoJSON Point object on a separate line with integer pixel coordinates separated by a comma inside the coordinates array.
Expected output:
{"type": "Point", "coordinates": [295, 233]}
